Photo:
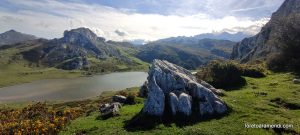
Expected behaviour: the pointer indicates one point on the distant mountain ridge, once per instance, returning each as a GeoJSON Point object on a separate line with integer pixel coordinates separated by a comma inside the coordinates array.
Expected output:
{"type": "Point", "coordinates": [12, 37]}
{"type": "Point", "coordinates": [220, 36]}
{"type": "Point", "coordinates": [189, 54]}
{"type": "Point", "coordinates": [82, 49]}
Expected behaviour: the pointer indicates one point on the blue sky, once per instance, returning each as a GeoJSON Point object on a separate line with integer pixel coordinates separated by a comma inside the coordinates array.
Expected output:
{"type": "Point", "coordinates": [135, 19]}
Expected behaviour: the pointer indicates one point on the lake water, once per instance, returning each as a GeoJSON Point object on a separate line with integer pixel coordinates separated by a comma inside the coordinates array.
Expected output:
{"type": "Point", "coordinates": [71, 89]}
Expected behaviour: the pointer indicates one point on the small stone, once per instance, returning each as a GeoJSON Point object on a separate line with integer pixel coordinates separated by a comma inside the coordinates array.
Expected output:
{"type": "Point", "coordinates": [110, 110]}
{"type": "Point", "coordinates": [296, 81]}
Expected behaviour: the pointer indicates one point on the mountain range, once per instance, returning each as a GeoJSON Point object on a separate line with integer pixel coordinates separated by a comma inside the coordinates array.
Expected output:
{"type": "Point", "coordinates": [189, 54]}
{"type": "Point", "coordinates": [82, 49]}
{"type": "Point", "coordinates": [236, 37]}
{"type": "Point", "coordinates": [77, 49]}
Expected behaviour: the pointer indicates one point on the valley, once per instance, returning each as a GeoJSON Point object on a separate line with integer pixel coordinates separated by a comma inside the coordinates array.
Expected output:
{"type": "Point", "coordinates": [101, 68]}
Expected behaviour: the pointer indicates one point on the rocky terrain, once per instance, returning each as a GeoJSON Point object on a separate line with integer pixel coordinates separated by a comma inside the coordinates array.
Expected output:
{"type": "Point", "coordinates": [272, 37]}
{"type": "Point", "coordinates": [175, 90]}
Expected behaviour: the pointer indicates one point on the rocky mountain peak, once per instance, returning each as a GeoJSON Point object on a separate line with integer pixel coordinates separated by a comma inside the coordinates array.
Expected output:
{"type": "Point", "coordinates": [174, 89]}
{"type": "Point", "coordinates": [82, 34]}
{"type": "Point", "coordinates": [11, 31]}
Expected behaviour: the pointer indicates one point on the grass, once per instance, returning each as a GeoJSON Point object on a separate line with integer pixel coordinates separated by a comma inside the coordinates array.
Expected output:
{"type": "Point", "coordinates": [12, 76]}
{"type": "Point", "coordinates": [252, 104]}
{"type": "Point", "coordinates": [14, 69]}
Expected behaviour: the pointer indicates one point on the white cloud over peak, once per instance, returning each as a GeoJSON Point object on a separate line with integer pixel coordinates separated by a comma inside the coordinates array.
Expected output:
{"type": "Point", "coordinates": [48, 18]}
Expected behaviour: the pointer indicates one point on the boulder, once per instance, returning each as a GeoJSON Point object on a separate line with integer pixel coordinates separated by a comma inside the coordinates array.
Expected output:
{"type": "Point", "coordinates": [182, 91]}
{"type": "Point", "coordinates": [110, 110]}
{"type": "Point", "coordinates": [119, 98]}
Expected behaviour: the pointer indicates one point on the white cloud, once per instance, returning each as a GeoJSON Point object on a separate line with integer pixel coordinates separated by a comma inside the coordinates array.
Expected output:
{"type": "Point", "coordinates": [50, 18]}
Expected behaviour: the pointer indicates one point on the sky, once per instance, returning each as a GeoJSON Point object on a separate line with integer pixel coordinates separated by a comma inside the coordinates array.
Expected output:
{"type": "Point", "coordinates": [130, 20]}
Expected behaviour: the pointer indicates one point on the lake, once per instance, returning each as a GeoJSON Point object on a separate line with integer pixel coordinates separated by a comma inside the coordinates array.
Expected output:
{"type": "Point", "coordinates": [71, 89]}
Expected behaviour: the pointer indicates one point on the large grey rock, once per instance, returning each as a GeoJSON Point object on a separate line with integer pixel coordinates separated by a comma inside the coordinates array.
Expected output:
{"type": "Point", "coordinates": [180, 87]}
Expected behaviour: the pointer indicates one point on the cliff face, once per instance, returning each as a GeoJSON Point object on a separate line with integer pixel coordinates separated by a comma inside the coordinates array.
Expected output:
{"type": "Point", "coordinates": [271, 37]}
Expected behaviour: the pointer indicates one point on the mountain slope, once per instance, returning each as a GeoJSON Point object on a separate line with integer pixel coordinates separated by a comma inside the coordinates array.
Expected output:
{"type": "Point", "coordinates": [220, 48]}
{"type": "Point", "coordinates": [184, 57]}
{"type": "Point", "coordinates": [223, 36]}
{"type": "Point", "coordinates": [12, 37]}
{"type": "Point", "coordinates": [272, 37]}
{"type": "Point", "coordinates": [189, 53]}
{"type": "Point", "coordinates": [77, 49]}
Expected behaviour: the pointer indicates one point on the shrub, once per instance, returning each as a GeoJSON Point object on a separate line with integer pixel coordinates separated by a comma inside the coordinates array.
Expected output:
{"type": "Point", "coordinates": [223, 75]}
{"type": "Point", "coordinates": [253, 71]}
{"type": "Point", "coordinates": [130, 100]}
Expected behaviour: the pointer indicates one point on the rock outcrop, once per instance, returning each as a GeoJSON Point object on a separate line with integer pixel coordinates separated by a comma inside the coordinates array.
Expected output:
{"type": "Point", "coordinates": [174, 88]}
{"type": "Point", "coordinates": [78, 49]}
{"type": "Point", "coordinates": [269, 41]}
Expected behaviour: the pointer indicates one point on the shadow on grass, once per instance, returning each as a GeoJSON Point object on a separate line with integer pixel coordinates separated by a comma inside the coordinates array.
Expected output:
{"type": "Point", "coordinates": [144, 122]}
{"type": "Point", "coordinates": [236, 86]}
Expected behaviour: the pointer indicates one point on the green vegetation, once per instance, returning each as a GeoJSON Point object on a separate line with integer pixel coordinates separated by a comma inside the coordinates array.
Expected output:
{"type": "Point", "coordinates": [228, 75]}
{"type": "Point", "coordinates": [222, 75]}
{"type": "Point", "coordinates": [273, 99]}
{"type": "Point", "coordinates": [14, 69]}
{"type": "Point", "coordinates": [270, 100]}
{"type": "Point", "coordinates": [114, 65]}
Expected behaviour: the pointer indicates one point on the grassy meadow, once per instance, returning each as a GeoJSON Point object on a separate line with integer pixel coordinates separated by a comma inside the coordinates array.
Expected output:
{"type": "Point", "coordinates": [273, 99]}
{"type": "Point", "coordinates": [270, 100]}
